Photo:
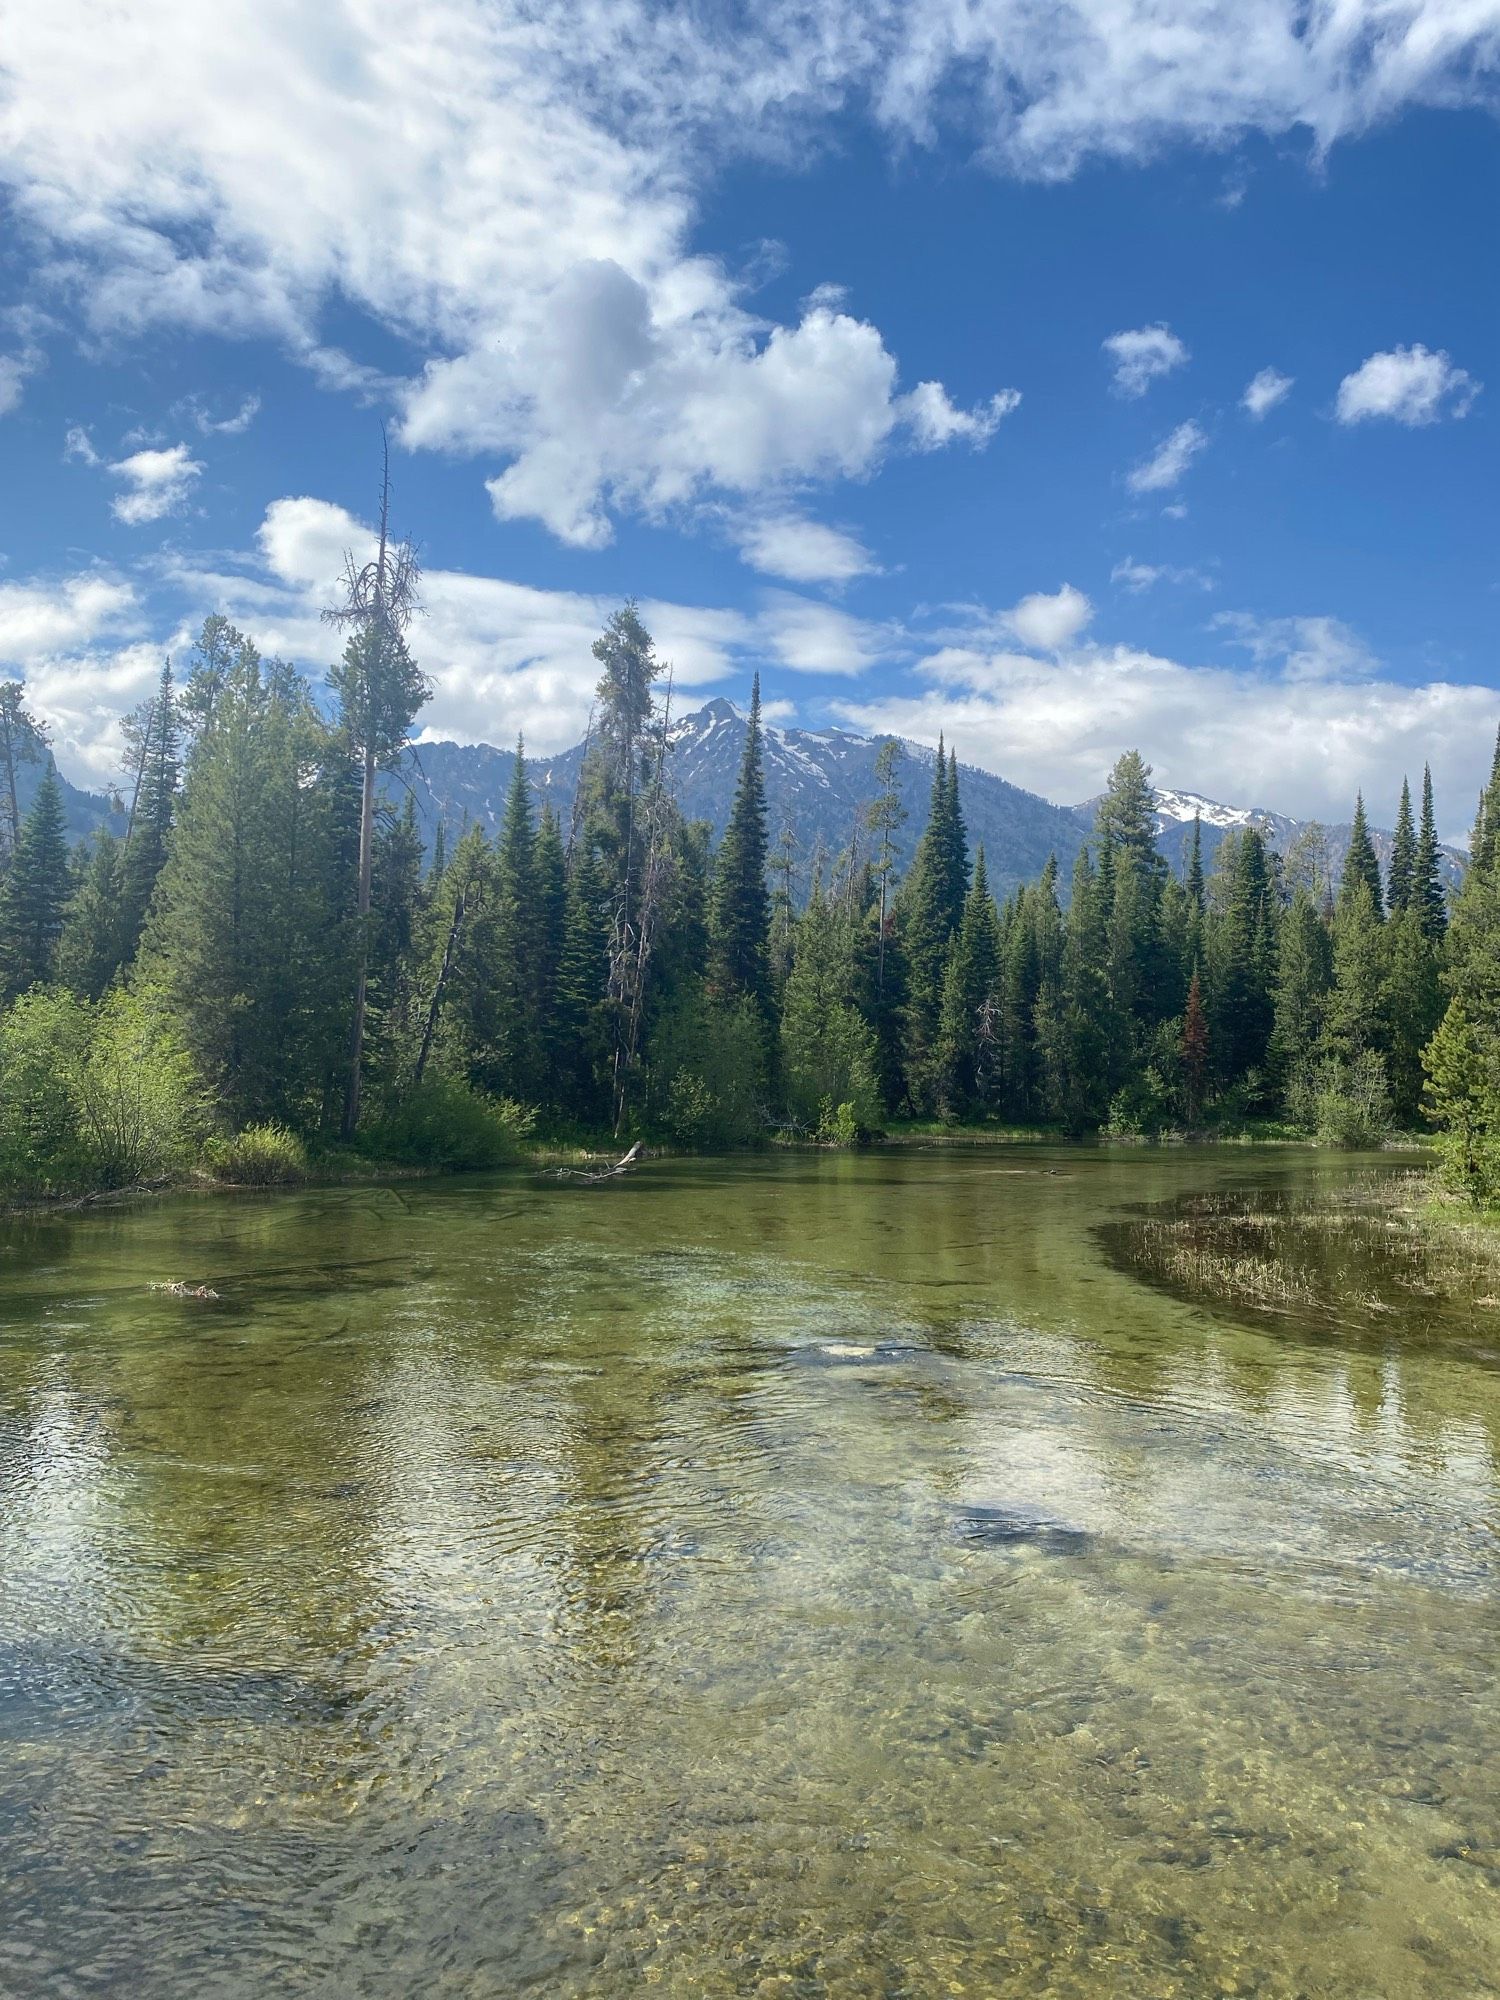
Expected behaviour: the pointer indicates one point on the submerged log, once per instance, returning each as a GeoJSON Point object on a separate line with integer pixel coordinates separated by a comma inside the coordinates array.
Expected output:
{"type": "Point", "coordinates": [590, 1177]}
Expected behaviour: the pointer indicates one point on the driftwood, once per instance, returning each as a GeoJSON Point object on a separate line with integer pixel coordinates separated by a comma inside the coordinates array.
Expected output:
{"type": "Point", "coordinates": [591, 1178]}
{"type": "Point", "coordinates": [179, 1290]}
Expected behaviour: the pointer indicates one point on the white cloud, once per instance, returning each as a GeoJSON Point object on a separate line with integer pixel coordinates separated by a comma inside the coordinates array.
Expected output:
{"type": "Point", "coordinates": [78, 447]}
{"type": "Point", "coordinates": [512, 195]}
{"type": "Point", "coordinates": [38, 619]}
{"type": "Point", "coordinates": [1264, 391]}
{"type": "Point", "coordinates": [231, 426]}
{"type": "Point", "coordinates": [808, 637]}
{"type": "Point", "coordinates": [1047, 622]}
{"type": "Point", "coordinates": [1250, 736]}
{"type": "Point", "coordinates": [157, 482]}
{"type": "Point", "coordinates": [1138, 576]}
{"type": "Point", "coordinates": [1141, 355]}
{"type": "Point", "coordinates": [1169, 461]}
{"type": "Point", "coordinates": [1305, 648]}
{"type": "Point", "coordinates": [1411, 385]}
{"type": "Point", "coordinates": [802, 551]}
{"type": "Point", "coordinates": [15, 371]}
{"type": "Point", "coordinates": [935, 421]}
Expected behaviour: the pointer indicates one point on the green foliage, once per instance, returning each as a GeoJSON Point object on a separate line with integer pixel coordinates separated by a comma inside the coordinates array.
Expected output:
{"type": "Point", "coordinates": [839, 1126]}
{"type": "Point", "coordinates": [93, 1095]}
{"type": "Point", "coordinates": [740, 921]}
{"type": "Point", "coordinates": [1463, 1099]}
{"type": "Point", "coordinates": [1345, 1102]}
{"type": "Point", "coordinates": [34, 895]}
{"type": "Point", "coordinates": [260, 1156]}
{"type": "Point", "coordinates": [443, 1123]}
{"type": "Point", "coordinates": [708, 1070]}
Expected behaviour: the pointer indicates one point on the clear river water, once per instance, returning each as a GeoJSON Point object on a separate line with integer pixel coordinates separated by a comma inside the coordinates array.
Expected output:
{"type": "Point", "coordinates": [1021, 1572]}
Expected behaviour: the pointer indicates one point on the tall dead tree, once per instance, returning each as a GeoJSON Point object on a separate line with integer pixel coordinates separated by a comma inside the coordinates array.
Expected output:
{"type": "Point", "coordinates": [380, 691]}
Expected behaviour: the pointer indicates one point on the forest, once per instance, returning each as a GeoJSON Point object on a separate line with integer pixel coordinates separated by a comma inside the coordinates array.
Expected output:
{"type": "Point", "coordinates": [265, 971]}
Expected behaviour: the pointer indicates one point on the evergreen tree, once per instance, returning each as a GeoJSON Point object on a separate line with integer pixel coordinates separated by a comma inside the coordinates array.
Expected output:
{"type": "Point", "coordinates": [1401, 885]}
{"type": "Point", "coordinates": [91, 949]}
{"type": "Point", "coordinates": [23, 740]}
{"type": "Point", "coordinates": [1195, 1051]}
{"type": "Point", "coordinates": [932, 910]}
{"type": "Point", "coordinates": [34, 894]}
{"type": "Point", "coordinates": [828, 1051]}
{"type": "Point", "coordinates": [1355, 1010]}
{"type": "Point", "coordinates": [740, 919]}
{"type": "Point", "coordinates": [151, 820]}
{"type": "Point", "coordinates": [968, 1031]}
{"type": "Point", "coordinates": [1361, 864]}
{"type": "Point", "coordinates": [1241, 948]}
{"type": "Point", "coordinates": [1304, 974]}
{"type": "Point", "coordinates": [1412, 1006]}
{"type": "Point", "coordinates": [1427, 887]}
{"type": "Point", "coordinates": [581, 1034]}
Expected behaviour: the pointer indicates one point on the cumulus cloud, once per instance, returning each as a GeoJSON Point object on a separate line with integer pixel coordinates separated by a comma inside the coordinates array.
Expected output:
{"type": "Point", "coordinates": [39, 619]}
{"type": "Point", "coordinates": [512, 195]}
{"type": "Point", "coordinates": [935, 421]}
{"type": "Point", "coordinates": [801, 551]}
{"type": "Point", "coordinates": [808, 637]}
{"type": "Point", "coordinates": [1047, 622]}
{"type": "Point", "coordinates": [156, 482]}
{"type": "Point", "coordinates": [1268, 734]}
{"type": "Point", "coordinates": [1264, 391]}
{"type": "Point", "coordinates": [1143, 354]}
{"type": "Point", "coordinates": [1169, 461]}
{"type": "Point", "coordinates": [237, 422]}
{"type": "Point", "coordinates": [1410, 385]}
{"type": "Point", "coordinates": [1307, 649]}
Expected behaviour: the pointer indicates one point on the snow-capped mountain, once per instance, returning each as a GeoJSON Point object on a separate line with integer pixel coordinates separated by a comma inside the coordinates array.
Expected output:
{"type": "Point", "coordinates": [818, 783]}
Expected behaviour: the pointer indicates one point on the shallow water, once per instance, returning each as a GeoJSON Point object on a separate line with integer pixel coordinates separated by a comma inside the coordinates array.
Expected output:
{"type": "Point", "coordinates": [867, 1576]}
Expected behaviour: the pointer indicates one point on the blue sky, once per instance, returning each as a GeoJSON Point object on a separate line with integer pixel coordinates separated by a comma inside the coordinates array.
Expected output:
{"type": "Point", "coordinates": [901, 352]}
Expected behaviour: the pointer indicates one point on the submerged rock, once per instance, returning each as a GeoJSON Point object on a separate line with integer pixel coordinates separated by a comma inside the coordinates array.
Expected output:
{"type": "Point", "coordinates": [1007, 1527]}
{"type": "Point", "coordinates": [850, 1353]}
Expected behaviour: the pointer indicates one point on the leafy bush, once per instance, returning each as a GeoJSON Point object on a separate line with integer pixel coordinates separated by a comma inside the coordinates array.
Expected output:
{"type": "Point", "coordinates": [139, 1104]}
{"type": "Point", "coordinates": [834, 1060]}
{"type": "Point", "coordinates": [1345, 1104]}
{"type": "Point", "coordinates": [708, 1072]}
{"type": "Point", "coordinates": [1463, 1099]}
{"type": "Point", "coordinates": [443, 1123]}
{"type": "Point", "coordinates": [92, 1096]}
{"type": "Point", "coordinates": [260, 1156]}
{"type": "Point", "coordinates": [839, 1125]}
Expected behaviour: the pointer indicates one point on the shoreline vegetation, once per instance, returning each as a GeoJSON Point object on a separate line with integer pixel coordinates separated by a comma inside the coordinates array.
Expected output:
{"type": "Point", "coordinates": [270, 979]}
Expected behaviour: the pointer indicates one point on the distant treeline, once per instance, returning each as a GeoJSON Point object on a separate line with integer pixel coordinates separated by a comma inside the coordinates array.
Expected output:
{"type": "Point", "coordinates": [266, 950]}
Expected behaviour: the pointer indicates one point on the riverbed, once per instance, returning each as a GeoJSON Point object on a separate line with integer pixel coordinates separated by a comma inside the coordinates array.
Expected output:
{"type": "Point", "coordinates": [856, 1576]}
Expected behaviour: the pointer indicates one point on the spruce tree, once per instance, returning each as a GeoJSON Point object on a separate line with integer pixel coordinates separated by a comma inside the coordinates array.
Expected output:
{"type": "Point", "coordinates": [34, 894]}
{"type": "Point", "coordinates": [1361, 864]}
{"type": "Point", "coordinates": [968, 1030]}
{"type": "Point", "coordinates": [1355, 1022]}
{"type": "Point", "coordinates": [740, 916]}
{"type": "Point", "coordinates": [1195, 1051]}
{"type": "Point", "coordinates": [1401, 882]}
{"type": "Point", "coordinates": [932, 899]}
{"type": "Point", "coordinates": [151, 821]}
{"type": "Point", "coordinates": [1304, 973]}
{"type": "Point", "coordinates": [91, 950]}
{"type": "Point", "coordinates": [1427, 891]}
{"type": "Point", "coordinates": [23, 740]}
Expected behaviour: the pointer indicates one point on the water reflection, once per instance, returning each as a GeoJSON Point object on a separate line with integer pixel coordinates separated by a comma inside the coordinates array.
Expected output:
{"type": "Point", "coordinates": [810, 1577]}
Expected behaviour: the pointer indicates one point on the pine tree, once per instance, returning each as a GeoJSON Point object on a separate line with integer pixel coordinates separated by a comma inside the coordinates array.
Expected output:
{"type": "Point", "coordinates": [1401, 884]}
{"type": "Point", "coordinates": [1361, 865]}
{"type": "Point", "coordinates": [968, 1029]}
{"type": "Point", "coordinates": [151, 820]}
{"type": "Point", "coordinates": [1355, 1010]}
{"type": "Point", "coordinates": [1240, 946]}
{"type": "Point", "coordinates": [1195, 1051]}
{"type": "Point", "coordinates": [740, 917]}
{"type": "Point", "coordinates": [1427, 887]}
{"type": "Point", "coordinates": [23, 740]}
{"type": "Point", "coordinates": [34, 894]}
{"type": "Point", "coordinates": [932, 910]}
{"type": "Point", "coordinates": [92, 950]}
{"type": "Point", "coordinates": [1304, 974]}
{"type": "Point", "coordinates": [885, 816]}
{"type": "Point", "coordinates": [1412, 1006]}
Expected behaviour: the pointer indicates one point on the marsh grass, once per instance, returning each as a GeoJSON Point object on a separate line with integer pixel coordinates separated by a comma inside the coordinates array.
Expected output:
{"type": "Point", "coordinates": [1387, 1249]}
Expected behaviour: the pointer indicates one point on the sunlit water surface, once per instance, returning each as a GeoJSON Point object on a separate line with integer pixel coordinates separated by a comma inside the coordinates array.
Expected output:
{"type": "Point", "coordinates": [813, 1576]}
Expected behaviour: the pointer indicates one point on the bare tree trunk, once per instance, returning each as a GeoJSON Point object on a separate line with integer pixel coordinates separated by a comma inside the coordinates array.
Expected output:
{"type": "Point", "coordinates": [361, 984]}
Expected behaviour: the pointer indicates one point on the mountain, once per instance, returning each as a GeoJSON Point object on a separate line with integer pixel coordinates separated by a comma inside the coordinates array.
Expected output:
{"type": "Point", "coordinates": [817, 782]}
{"type": "Point", "coordinates": [1320, 848]}
{"type": "Point", "coordinates": [84, 810]}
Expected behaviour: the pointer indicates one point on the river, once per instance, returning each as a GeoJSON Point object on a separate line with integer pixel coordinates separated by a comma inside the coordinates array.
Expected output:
{"type": "Point", "coordinates": [856, 1576]}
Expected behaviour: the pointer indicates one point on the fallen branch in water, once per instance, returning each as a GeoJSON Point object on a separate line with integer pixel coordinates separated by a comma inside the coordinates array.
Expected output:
{"type": "Point", "coordinates": [179, 1290]}
{"type": "Point", "coordinates": [631, 1159]}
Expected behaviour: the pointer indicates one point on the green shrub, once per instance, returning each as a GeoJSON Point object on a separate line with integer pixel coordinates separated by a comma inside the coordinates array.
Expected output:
{"type": "Point", "coordinates": [43, 1040]}
{"type": "Point", "coordinates": [839, 1125]}
{"type": "Point", "coordinates": [260, 1156]}
{"type": "Point", "coordinates": [1345, 1104]}
{"type": "Point", "coordinates": [708, 1072]}
{"type": "Point", "coordinates": [443, 1123]}
{"type": "Point", "coordinates": [139, 1104]}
